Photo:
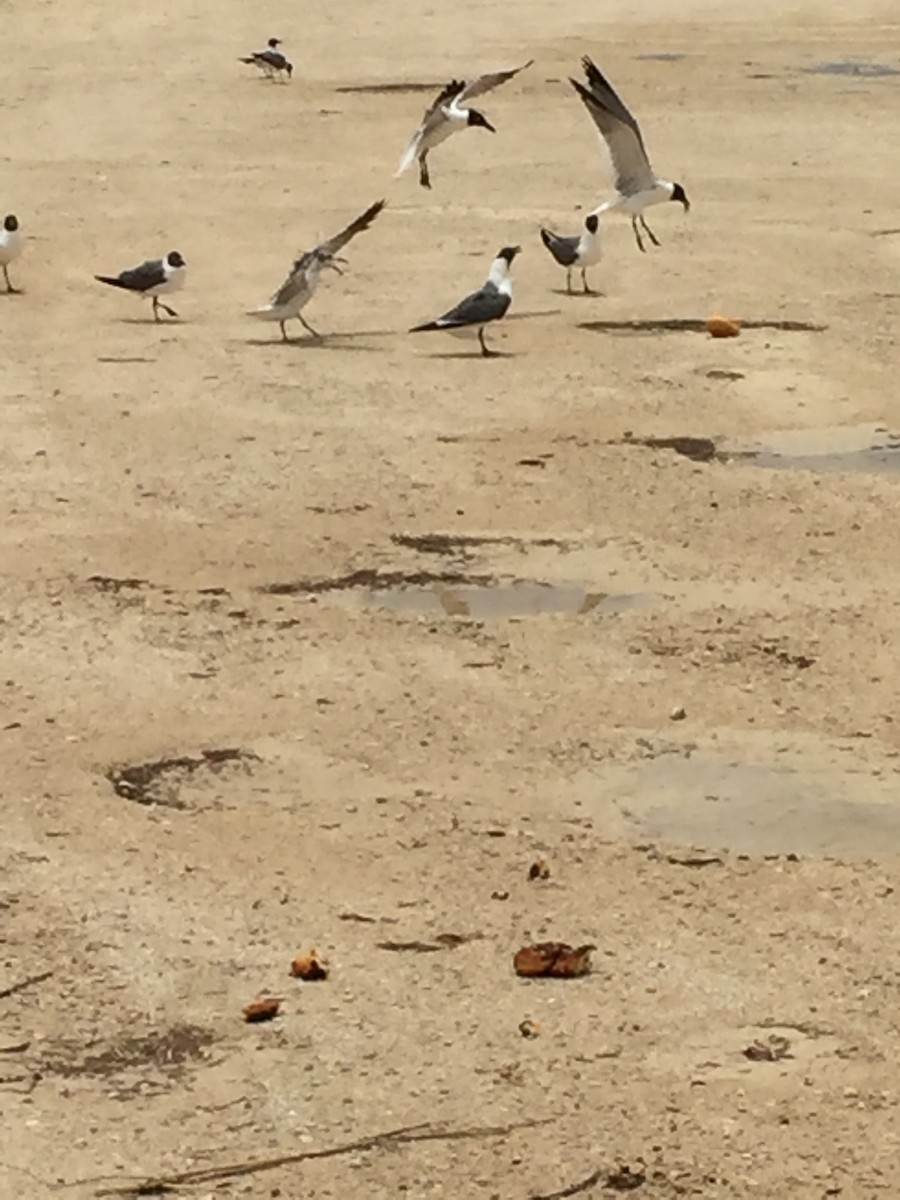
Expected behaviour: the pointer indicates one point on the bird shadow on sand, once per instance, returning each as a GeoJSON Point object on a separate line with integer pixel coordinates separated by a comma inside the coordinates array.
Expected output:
{"type": "Point", "coordinates": [170, 322]}
{"type": "Point", "coordinates": [578, 295]}
{"type": "Point", "coordinates": [333, 342]}
{"type": "Point", "coordinates": [473, 354]}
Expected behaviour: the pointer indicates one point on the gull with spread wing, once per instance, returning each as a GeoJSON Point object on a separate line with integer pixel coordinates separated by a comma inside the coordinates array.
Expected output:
{"type": "Point", "coordinates": [636, 184]}
{"type": "Point", "coordinates": [449, 113]}
{"type": "Point", "coordinates": [299, 287]}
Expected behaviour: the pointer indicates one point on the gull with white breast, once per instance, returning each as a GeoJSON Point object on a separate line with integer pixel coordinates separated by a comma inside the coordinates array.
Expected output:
{"type": "Point", "coordinates": [156, 277]}
{"type": "Point", "coordinates": [582, 250]}
{"type": "Point", "coordinates": [270, 61]}
{"type": "Point", "coordinates": [303, 279]}
{"type": "Point", "coordinates": [11, 246]}
{"type": "Point", "coordinates": [449, 113]}
{"type": "Point", "coordinates": [488, 304]}
{"type": "Point", "coordinates": [637, 185]}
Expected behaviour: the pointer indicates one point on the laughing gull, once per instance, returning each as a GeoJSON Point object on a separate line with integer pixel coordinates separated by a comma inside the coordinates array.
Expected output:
{"type": "Point", "coordinates": [11, 246]}
{"type": "Point", "coordinates": [488, 304]}
{"type": "Point", "coordinates": [298, 289]}
{"type": "Point", "coordinates": [449, 113]}
{"type": "Point", "coordinates": [270, 61]}
{"type": "Point", "coordinates": [153, 278]}
{"type": "Point", "coordinates": [636, 183]}
{"type": "Point", "coordinates": [583, 250]}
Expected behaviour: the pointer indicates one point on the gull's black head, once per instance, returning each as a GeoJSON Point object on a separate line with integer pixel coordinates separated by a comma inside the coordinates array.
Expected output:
{"type": "Point", "coordinates": [679, 194]}
{"type": "Point", "coordinates": [592, 223]}
{"type": "Point", "coordinates": [11, 223]}
{"type": "Point", "coordinates": [174, 259]}
{"type": "Point", "coordinates": [509, 253]}
{"type": "Point", "coordinates": [478, 118]}
{"type": "Point", "coordinates": [273, 42]}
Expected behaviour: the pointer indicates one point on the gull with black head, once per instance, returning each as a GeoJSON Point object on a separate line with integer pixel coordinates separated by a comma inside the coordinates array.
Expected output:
{"type": "Point", "coordinates": [270, 61]}
{"type": "Point", "coordinates": [11, 246]}
{"type": "Point", "coordinates": [637, 185]}
{"type": "Point", "coordinates": [156, 277]}
{"type": "Point", "coordinates": [449, 113]}
{"type": "Point", "coordinates": [581, 250]}
{"type": "Point", "coordinates": [303, 279]}
{"type": "Point", "coordinates": [488, 304]}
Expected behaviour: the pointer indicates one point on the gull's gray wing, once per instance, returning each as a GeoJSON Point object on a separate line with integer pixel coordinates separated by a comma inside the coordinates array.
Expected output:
{"type": "Point", "coordinates": [149, 274]}
{"type": "Point", "coordinates": [431, 119]}
{"type": "Point", "coordinates": [563, 249]}
{"type": "Point", "coordinates": [296, 282]}
{"type": "Point", "coordinates": [619, 130]}
{"type": "Point", "coordinates": [487, 83]}
{"type": "Point", "coordinates": [487, 304]}
{"type": "Point", "coordinates": [330, 248]}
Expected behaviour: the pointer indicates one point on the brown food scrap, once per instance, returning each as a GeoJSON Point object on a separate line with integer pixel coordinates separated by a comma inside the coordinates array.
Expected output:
{"type": "Point", "coordinates": [553, 958]}
{"type": "Point", "coordinates": [539, 869]}
{"type": "Point", "coordinates": [626, 1178]}
{"type": "Point", "coordinates": [529, 1028]}
{"type": "Point", "coordinates": [264, 1009]}
{"type": "Point", "coordinates": [723, 327]}
{"type": "Point", "coordinates": [309, 967]}
{"type": "Point", "coordinates": [772, 1050]}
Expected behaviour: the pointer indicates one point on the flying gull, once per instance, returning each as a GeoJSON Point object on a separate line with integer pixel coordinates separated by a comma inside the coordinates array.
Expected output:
{"type": "Point", "coordinates": [637, 185]}
{"type": "Point", "coordinates": [298, 289]}
{"type": "Point", "coordinates": [153, 278]}
{"type": "Point", "coordinates": [449, 113]}
{"type": "Point", "coordinates": [583, 250]}
{"type": "Point", "coordinates": [11, 246]}
{"type": "Point", "coordinates": [488, 304]}
{"type": "Point", "coordinates": [270, 61]}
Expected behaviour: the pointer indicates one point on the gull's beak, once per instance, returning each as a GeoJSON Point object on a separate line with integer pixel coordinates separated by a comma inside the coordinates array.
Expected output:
{"type": "Point", "coordinates": [489, 126]}
{"type": "Point", "coordinates": [333, 263]}
{"type": "Point", "coordinates": [687, 204]}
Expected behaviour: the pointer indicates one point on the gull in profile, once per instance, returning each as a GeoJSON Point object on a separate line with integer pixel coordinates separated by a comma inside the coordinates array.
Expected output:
{"type": "Point", "coordinates": [299, 287]}
{"type": "Point", "coordinates": [488, 304]}
{"type": "Point", "coordinates": [450, 112]}
{"type": "Point", "coordinates": [270, 61]}
{"type": "Point", "coordinates": [637, 185]}
{"type": "Point", "coordinates": [11, 246]}
{"type": "Point", "coordinates": [583, 250]}
{"type": "Point", "coordinates": [153, 278]}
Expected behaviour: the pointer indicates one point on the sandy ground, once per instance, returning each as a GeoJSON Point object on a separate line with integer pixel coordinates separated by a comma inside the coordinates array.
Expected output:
{"type": "Point", "coordinates": [200, 524]}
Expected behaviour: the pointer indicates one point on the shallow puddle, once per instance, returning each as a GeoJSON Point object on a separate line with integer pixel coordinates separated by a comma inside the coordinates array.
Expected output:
{"type": "Point", "coordinates": [755, 808]}
{"type": "Point", "coordinates": [502, 600]}
{"type": "Point", "coordinates": [862, 448]}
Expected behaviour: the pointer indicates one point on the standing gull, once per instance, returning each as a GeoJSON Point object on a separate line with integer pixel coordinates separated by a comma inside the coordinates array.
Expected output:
{"type": "Point", "coordinates": [488, 304]}
{"type": "Point", "coordinates": [270, 61]}
{"type": "Point", "coordinates": [11, 246]}
{"type": "Point", "coordinates": [637, 185]}
{"type": "Point", "coordinates": [449, 113]}
{"type": "Point", "coordinates": [298, 289]}
{"type": "Point", "coordinates": [153, 278]}
{"type": "Point", "coordinates": [583, 250]}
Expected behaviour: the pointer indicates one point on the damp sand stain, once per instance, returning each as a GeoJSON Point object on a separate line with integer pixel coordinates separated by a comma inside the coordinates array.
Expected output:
{"type": "Point", "coordinates": [499, 600]}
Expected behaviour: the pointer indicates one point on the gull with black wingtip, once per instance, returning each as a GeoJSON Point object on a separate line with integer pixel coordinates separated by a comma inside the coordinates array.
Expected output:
{"type": "Point", "coordinates": [449, 113]}
{"type": "Point", "coordinates": [154, 278]}
{"type": "Point", "coordinates": [637, 185]}
{"type": "Point", "coordinates": [303, 279]}
{"type": "Point", "coordinates": [581, 250]}
{"type": "Point", "coordinates": [11, 246]}
{"type": "Point", "coordinates": [488, 304]}
{"type": "Point", "coordinates": [270, 61]}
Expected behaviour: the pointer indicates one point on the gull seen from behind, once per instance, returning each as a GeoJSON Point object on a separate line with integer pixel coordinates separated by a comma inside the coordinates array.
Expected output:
{"type": "Point", "coordinates": [637, 186]}
{"type": "Point", "coordinates": [582, 250]}
{"type": "Point", "coordinates": [488, 304]}
{"type": "Point", "coordinates": [303, 279]}
{"type": "Point", "coordinates": [449, 113]}
{"type": "Point", "coordinates": [11, 246]}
